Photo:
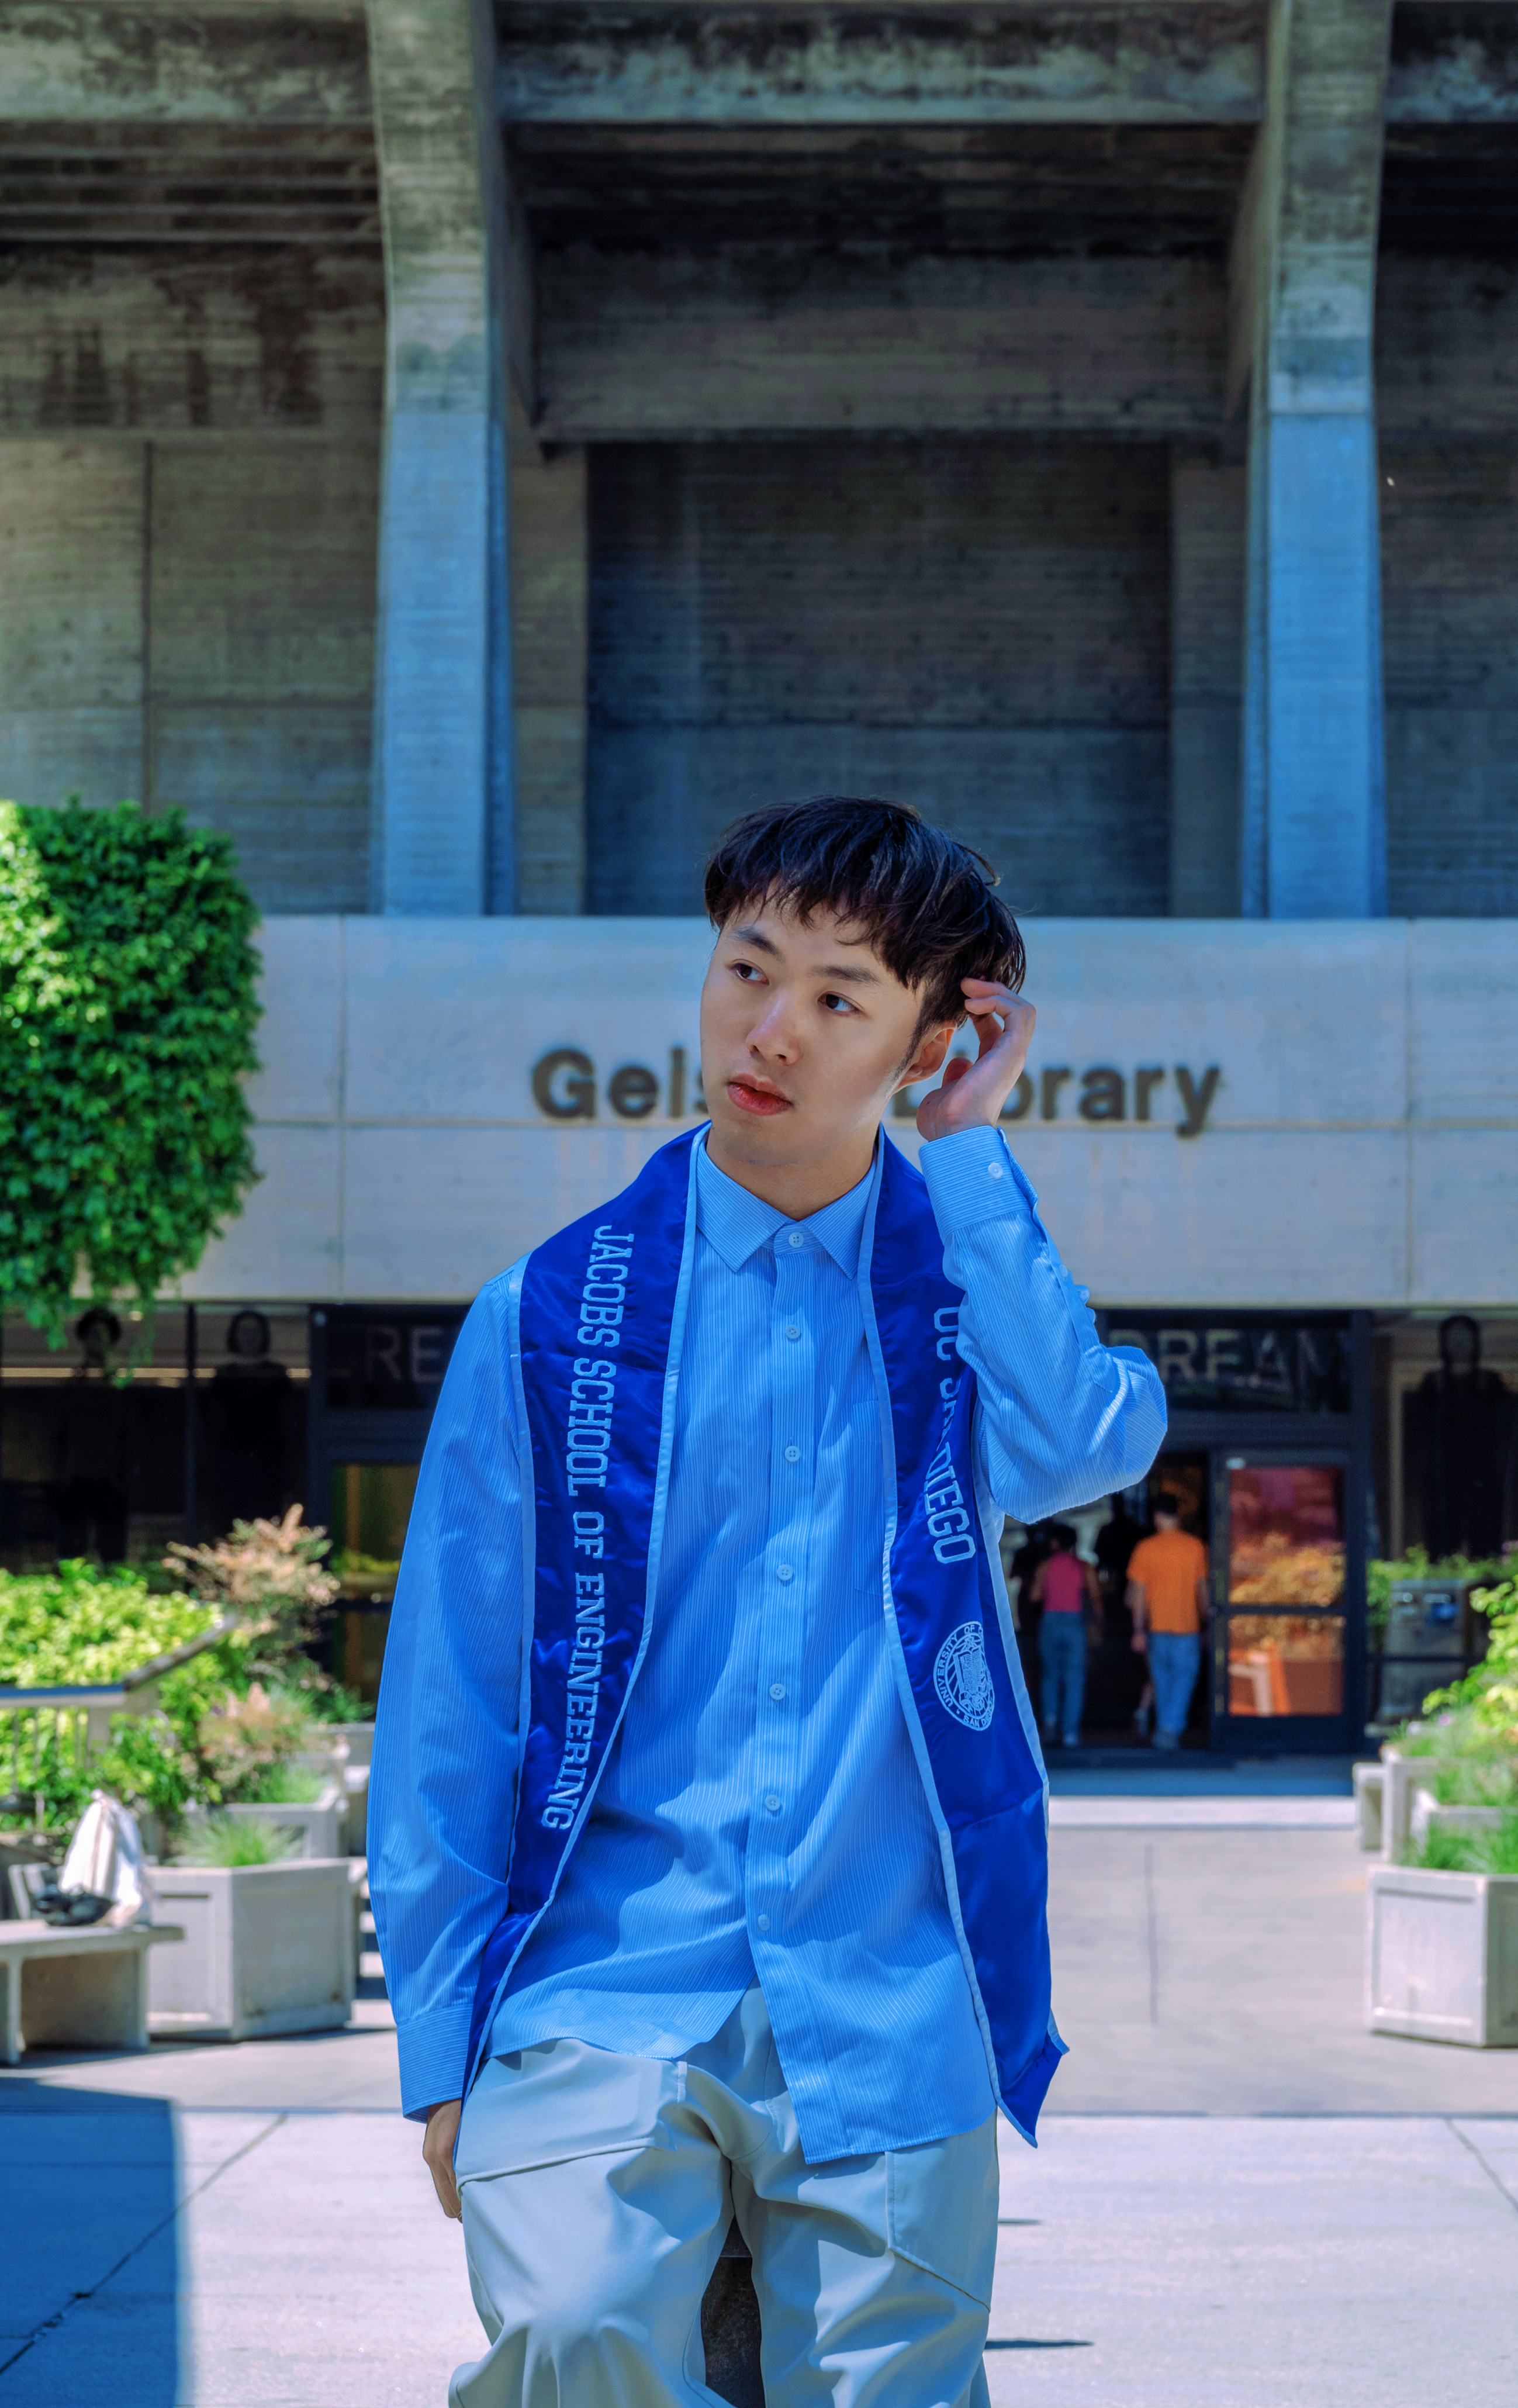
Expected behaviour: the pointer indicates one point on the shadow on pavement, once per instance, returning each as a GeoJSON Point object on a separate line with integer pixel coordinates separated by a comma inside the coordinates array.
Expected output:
{"type": "Point", "coordinates": [89, 2307]}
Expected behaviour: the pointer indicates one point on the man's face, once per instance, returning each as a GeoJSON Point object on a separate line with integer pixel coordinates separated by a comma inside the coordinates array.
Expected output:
{"type": "Point", "coordinates": [805, 1037]}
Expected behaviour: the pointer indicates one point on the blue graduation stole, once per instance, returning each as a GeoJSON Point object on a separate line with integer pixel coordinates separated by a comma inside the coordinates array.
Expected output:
{"type": "Point", "coordinates": [600, 1317]}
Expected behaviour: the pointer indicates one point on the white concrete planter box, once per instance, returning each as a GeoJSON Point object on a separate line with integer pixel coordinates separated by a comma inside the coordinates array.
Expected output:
{"type": "Point", "coordinates": [1370, 1795]}
{"type": "Point", "coordinates": [266, 1949]}
{"type": "Point", "coordinates": [320, 1828]}
{"type": "Point", "coordinates": [1404, 1776]}
{"type": "Point", "coordinates": [1429, 1815]}
{"type": "Point", "coordinates": [1441, 1956]}
{"type": "Point", "coordinates": [356, 1786]}
{"type": "Point", "coordinates": [360, 1738]}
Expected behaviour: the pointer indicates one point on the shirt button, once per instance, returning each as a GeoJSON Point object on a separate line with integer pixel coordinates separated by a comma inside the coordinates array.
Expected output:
{"type": "Point", "coordinates": [992, 1170]}
{"type": "Point", "coordinates": [777, 1691]}
{"type": "Point", "coordinates": [763, 1921]}
{"type": "Point", "coordinates": [792, 1455]}
{"type": "Point", "coordinates": [791, 1330]}
{"type": "Point", "coordinates": [772, 1804]}
{"type": "Point", "coordinates": [797, 1238]}
{"type": "Point", "coordinates": [783, 1572]}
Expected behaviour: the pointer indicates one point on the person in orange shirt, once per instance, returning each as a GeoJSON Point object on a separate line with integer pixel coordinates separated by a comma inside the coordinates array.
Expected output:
{"type": "Point", "coordinates": [1170, 1600]}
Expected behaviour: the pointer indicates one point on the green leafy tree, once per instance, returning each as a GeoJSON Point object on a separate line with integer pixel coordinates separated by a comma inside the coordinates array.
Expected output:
{"type": "Point", "coordinates": [127, 1010]}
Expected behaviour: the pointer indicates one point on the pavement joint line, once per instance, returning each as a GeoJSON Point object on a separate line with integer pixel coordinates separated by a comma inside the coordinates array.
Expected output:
{"type": "Point", "coordinates": [78, 2299]}
{"type": "Point", "coordinates": [1484, 2161]}
{"type": "Point", "coordinates": [1153, 1934]}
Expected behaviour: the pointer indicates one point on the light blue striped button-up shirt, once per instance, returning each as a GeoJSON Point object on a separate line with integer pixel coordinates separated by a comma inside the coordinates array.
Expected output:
{"type": "Point", "coordinates": [761, 1814]}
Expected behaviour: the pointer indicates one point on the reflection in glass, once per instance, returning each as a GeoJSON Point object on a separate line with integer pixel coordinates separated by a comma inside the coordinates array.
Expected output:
{"type": "Point", "coordinates": [1285, 1664]}
{"type": "Point", "coordinates": [370, 1507]}
{"type": "Point", "coordinates": [1286, 1534]}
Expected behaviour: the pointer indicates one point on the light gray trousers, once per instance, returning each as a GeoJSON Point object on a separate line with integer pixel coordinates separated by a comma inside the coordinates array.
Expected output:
{"type": "Point", "coordinates": [597, 2191]}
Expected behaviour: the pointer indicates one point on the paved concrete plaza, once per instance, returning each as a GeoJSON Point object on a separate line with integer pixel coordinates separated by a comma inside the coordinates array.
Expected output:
{"type": "Point", "coordinates": [1241, 2197]}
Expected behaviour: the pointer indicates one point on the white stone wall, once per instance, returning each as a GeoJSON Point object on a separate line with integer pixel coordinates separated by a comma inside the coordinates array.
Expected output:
{"type": "Point", "coordinates": [1361, 1146]}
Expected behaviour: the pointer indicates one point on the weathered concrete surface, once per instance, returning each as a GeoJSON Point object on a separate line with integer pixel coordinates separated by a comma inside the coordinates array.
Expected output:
{"type": "Point", "coordinates": [678, 346]}
{"type": "Point", "coordinates": [1185, 59]}
{"type": "Point", "coordinates": [304, 63]}
{"type": "Point", "coordinates": [550, 575]}
{"type": "Point", "coordinates": [1313, 837]}
{"type": "Point", "coordinates": [1208, 541]}
{"type": "Point", "coordinates": [442, 768]}
{"type": "Point", "coordinates": [194, 624]}
{"type": "Point", "coordinates": [187, 344]}
{"type": "Point", "coordinates": [73, 526]}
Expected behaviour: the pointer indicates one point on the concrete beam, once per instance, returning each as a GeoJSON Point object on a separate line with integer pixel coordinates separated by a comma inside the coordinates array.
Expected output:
{"type": "Point", "coordinates": [672, 346]}
{"type": "Point", "coordinates": [442, 791]}
{"type": "Point", "coordinates": [1313, 836]}
{"type": "Point", "coordinates": [1453, 63]}
{"type": "Point", "coordinates": [1069, 61]}
{"type": "Point", "coordinates": [222, 61]}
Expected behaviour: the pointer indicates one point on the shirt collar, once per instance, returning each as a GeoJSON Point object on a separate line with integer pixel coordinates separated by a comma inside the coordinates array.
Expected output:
{"type": "Point", "coordinates": [736, 1223]}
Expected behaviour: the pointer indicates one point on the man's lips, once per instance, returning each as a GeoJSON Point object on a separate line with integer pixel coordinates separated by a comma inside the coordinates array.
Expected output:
{"type": "Point", "coordinates": [760, 1101]}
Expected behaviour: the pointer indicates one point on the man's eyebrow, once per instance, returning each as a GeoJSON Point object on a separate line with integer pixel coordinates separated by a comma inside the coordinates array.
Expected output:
{"type": "Point", "coordinates": [845, 973]}
{"type": "Point", "coordinates": [761, 943]}
{"type": "Point", "coordinates": [854, 977]}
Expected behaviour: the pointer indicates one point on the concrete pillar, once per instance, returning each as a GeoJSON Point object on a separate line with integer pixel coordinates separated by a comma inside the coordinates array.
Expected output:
{"type": "Point", "coordinates": [442, 768]}
{"type": "Point", "coordinates": [550, 577]}
{"type": "Point", "coordinates": [1207, 512]}
{"type": "Point", "coordinates": [1313, 832]}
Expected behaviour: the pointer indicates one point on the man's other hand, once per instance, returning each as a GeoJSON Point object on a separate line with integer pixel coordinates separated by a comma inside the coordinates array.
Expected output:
{"type": "Point", "coordinates": [973, 1092]}
{"type": "Point", "coordinates": [438, 2149]}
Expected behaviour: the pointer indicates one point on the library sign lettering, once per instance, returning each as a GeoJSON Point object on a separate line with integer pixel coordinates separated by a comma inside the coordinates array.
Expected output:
{"type": "Point", "coordinates": [567, 1086]}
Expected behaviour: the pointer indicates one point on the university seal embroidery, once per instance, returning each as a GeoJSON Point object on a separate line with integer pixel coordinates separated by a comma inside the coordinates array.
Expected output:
{"type": "Point", "coordinates": [962, 1677]}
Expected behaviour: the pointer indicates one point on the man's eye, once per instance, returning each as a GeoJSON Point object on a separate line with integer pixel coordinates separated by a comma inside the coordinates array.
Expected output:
{"type": "Point", "coordinates": [745, 970]}
{"type": "Point", "coordinates": [836, 1003]}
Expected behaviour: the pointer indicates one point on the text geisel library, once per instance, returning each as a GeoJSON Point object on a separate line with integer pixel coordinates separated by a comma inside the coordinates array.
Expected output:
{"type": "Point", "coordinates": [566, 1085]}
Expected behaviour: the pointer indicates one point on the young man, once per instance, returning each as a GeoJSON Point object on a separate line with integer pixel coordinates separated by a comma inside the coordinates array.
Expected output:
{"type": "Point", "coordinates": [1066, 1589]}
{"type": "Point", "coordinates": [1168, 1598]}
{"type": "Point", "coordinates": [710, 1860]}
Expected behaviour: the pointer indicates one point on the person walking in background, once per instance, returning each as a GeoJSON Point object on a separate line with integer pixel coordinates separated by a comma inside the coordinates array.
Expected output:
{"type": "Point", "coordinates": [1168, 1599]}
{"type": "Point", "coordinates": [1115, 1542]}
{"type": "Point", "coordinates": [1064, 1587]}
{"type": "Point", "coordinates": [1020, 1567]}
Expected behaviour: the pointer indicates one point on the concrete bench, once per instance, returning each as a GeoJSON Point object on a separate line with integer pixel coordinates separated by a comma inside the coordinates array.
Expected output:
{"type": "Point", "coordinates": [80, 1988]}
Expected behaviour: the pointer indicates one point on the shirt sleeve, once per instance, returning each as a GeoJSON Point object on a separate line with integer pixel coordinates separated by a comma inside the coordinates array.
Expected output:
{"type": "Point", "coordinates": [1063, 1419]}
{"type": "Point", "coordinates": [442, 1788]}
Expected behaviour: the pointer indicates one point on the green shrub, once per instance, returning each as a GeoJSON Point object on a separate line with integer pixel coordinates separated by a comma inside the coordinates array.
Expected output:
{"type": "Point", "coordinates": [81, 1623]}
{"type": "Point", "coordinates": [127, 1011]}
{"type": "Point", "coordinates": [1492, 1850]}
{"type": "Point", "coordinates": [287, 1785]}
{"type": "Point", "coordinates": [230, 1840]}
{"type": "Point", "coordinates": [1477, 1780]}
{"type": "Point", "coordinates": [334, 1703]}
{"type": "Point", "coordinates": [1445, 1851]}
{"type": "Point", "coordinates": [1487, 1698]}
{"type": "Point", "coordinates": [83, 1626]}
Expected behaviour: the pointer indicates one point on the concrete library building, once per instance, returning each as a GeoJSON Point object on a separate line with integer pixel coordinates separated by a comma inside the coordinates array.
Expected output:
{"type": "Point", "coordinates": [470, 452]}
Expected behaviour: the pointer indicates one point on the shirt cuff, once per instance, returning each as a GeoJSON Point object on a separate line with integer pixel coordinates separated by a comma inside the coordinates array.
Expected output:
{"type": "Point", "coordinates": [433, 2049]}
{"type": "Point", "coordinates": [971, 1177]}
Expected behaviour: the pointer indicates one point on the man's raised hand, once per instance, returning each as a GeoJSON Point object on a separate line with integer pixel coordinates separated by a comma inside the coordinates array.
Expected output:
{"type": "Point", "coordinates": [972, 1094]}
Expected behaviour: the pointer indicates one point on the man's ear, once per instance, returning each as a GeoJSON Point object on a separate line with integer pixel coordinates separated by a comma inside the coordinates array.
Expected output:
{"type": "Point", "coordinates": [927, 1060]}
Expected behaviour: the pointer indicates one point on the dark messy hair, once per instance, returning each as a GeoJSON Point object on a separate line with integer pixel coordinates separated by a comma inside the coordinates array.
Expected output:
{"type": "Point", "coordinates": [922, 900]}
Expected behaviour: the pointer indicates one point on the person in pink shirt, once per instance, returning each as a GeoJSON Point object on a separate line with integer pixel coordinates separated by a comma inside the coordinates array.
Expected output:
{"type": "Point", "coordinates": [1066, 1587]}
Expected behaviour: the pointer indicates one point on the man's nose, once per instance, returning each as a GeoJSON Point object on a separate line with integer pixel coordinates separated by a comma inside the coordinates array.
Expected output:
{"type": "Point", "coordinates": [775, 1034]}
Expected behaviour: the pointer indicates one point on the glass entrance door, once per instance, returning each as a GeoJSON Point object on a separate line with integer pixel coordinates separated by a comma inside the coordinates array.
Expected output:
{"type": "Point", "coordinates": [1280, 1575]}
